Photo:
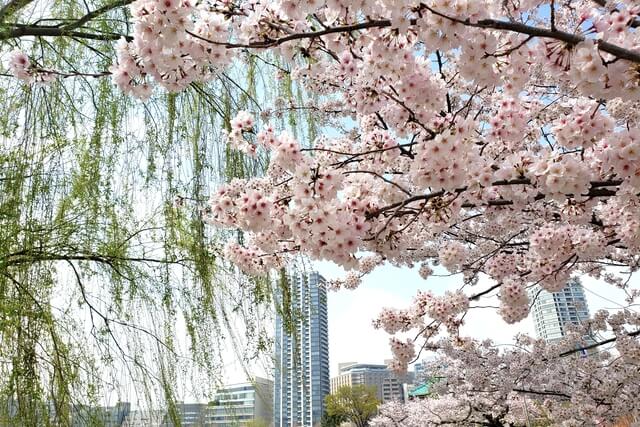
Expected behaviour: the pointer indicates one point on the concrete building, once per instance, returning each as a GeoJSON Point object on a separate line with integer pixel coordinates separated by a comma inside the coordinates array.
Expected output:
{"type": "Point", "coordinates": [392, 389]}
{"type": "Point", "coordinates": [301, 379]}
{"type": "Point", "coordinates": [190, 414]}
{"type": "Point", "coordinates": [388, 386]}
{"type": "Point", "coordinates": [552, 312]}
{"type": "Point", "coordinates": [144, 418]}
{"type": "Point", "coordinates": [107, 416]}
{"type": "Point", "coordinates": [236, 404]}
{"type": "Point", "coordinates": [423, 369]}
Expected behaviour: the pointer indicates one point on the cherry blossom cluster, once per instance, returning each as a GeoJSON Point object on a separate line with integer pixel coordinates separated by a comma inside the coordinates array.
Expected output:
{"type": "Point", "coordinates": [394, 320]}
{"type": "Point", "coordinates": [21, 68]}
{"type": "Point", "coordinates": [425, 271]}
{"type": "Point", "coordinates": [583, 125]}
{"type": "Point", "coordinates": [243, 122]}
{"type": "Point", "coordinates": [403, 353]}
{"type": "Point", "coordinates": [173, 46]}
{"type": "Point", "coordinates": [446, 310]}
{"type": "Point", "coordinates": [510, 124]}
{"type": "Point", "coordinates": [514, 301]}
{"type": "Point", "coordinates": [248, 259]}
{"type": "Point", "coordinates": [552, 247]}
{"type": "Point", "coordinates": [453, 255]}
{"type": "Point", "coordinates": [621, 153]}
{"type": "Point", "coordinates": [352, 280]}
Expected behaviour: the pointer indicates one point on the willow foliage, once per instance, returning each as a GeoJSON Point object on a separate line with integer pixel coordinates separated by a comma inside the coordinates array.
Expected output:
{"type": "Point", "coordinates": [110, 282]}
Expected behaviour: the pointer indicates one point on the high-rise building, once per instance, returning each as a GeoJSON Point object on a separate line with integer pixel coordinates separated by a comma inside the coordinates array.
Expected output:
{"type": "Point", "coordinates": [554, 311]}
{"type": "Point", "coordinates": [301, 378]}
{"type": "Point", "coordinates": [389, 387]}
{"type": "Point", "coordinates": [235, 405]}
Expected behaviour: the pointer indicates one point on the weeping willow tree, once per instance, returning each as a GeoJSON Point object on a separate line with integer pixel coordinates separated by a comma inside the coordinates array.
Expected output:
{"type": "Point", "coordinates": [111, 285]}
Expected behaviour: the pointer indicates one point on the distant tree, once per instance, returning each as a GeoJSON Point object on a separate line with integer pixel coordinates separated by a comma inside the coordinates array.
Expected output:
{"type": "Point", "coordinates": [257, 422]}
{"type": "Point", "coordinates": [357, 404]}
{"type": "Point", "coordinates": [332, 420]}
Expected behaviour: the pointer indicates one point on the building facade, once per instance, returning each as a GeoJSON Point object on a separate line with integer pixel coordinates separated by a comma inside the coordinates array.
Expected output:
{"type": "Point", "coordinates": [392, 390]}
{"type": "Point", "coordinates": [144, 418]}
{"type": "Point", "coordinates": [388, 386]}
{"type": "Point", "coordinates": [107, 416]}
{"type": "Point", "coordinates": [189, 414]}
{"type": "Point", "coordinates": [237, 404]}
{"type": "Point", "coordinates": [301, 379]}
{"type": "Point", "coordinates": [554, 311]}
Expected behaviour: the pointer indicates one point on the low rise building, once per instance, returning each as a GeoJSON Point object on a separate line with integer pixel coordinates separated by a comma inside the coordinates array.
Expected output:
{"type": "Point", "coordinates": [189, 415]}
{"type": "Point", "coordinates": [107, 416]}
{"type": "Point", "coordinates": [389, 387]}
{"type": "Point", "coordinates": [237, 404]}
{"type": "Point", "coordinates": [144, 418]}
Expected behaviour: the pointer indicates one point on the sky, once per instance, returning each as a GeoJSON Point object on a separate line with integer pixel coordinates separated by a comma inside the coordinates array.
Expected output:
{"type": "Point", "coordinates": [352, 337]}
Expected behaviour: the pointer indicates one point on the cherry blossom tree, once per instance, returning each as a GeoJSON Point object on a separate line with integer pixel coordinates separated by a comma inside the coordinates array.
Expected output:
{"type": "Point", "coordinates": [532, 383]}
{"type": "Point", "coordinates": [449, 411]}
{"type": "Point", "coordinates": [485, 137]}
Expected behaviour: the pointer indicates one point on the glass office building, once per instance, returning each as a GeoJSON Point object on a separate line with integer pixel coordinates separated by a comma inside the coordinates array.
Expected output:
{"type": "Point", "coordinates": [301, 379]}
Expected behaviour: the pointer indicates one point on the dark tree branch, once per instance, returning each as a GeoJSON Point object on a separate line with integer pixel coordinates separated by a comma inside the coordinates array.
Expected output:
{"type": "Point", "coordinates": [95, 13]}
{"type": "Point", "coordinates": [594, 191]}
{"type": "Point", "coordinates": [42, 31]}
{"type": "Point", "coordinates": [516, 27]}
{"type": "Point", "coordinates": [510, 26]}
{"type": "Point", "coordinates": [542, 393]}
{"type": "Point", "coordinates": [598, 344]}
{"type": "Point", "coordinates": [12, 7]}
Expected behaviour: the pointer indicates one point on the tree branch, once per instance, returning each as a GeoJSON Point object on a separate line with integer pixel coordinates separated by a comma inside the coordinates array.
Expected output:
{"type": "Point", "coordinates": [12, 7]}
{"type": "Point", "coordinates": [598, 344]}
{"type": "Point", "coordinates": [542, 393]}
{"type": "Point", "coordinates": [516, 27]}
{"type": "Point", "coordinates": [42, 31]}
{"type": "Point", "coordinates": [94, 14]}
{"type": "Point", "coordinates": [510, 26]}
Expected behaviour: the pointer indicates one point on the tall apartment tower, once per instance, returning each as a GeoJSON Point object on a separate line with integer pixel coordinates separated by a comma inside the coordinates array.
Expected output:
{"type": "Point", "coordinates": [552, 312]}
{"type": "Point", "coordinates": [301, 379]}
